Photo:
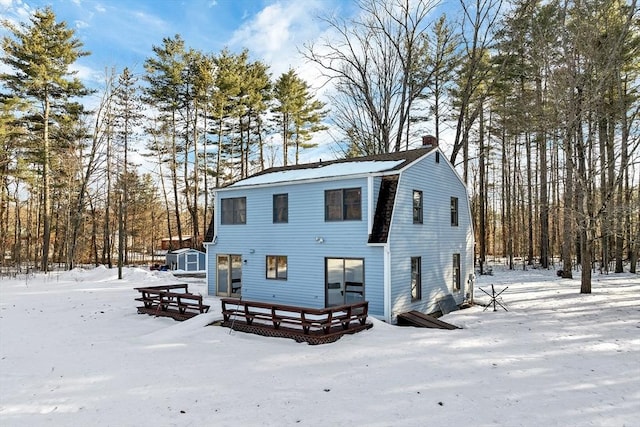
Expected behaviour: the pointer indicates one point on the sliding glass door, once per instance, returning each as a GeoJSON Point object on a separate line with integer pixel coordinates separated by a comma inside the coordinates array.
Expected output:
{"type": "Point", "coordinates": [344, 281]}
{"type": "Point", "coordinates": [229, 275]}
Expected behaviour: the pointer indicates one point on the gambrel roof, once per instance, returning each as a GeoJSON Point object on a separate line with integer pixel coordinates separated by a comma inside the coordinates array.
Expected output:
{"type": "Point", "coordinates": [388, 165]}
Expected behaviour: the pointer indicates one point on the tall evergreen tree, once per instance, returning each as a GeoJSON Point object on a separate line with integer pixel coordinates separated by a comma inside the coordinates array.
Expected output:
{"type": "Point", "coordinates": [257, 89]}
{"type": "Point", "coordinates": [164, 75]}
{"type": "Point", "coordinates": [127, 115]}
{"type": "Point", "coordinates": [225, 107]}
{"type": "Point", "coordinates": [39, 55]}
{"type": "Point", "coordinates": [298, 114]}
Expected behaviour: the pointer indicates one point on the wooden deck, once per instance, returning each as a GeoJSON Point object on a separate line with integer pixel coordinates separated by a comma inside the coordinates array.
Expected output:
{"type": "Point", "coordinates": [302, 324]}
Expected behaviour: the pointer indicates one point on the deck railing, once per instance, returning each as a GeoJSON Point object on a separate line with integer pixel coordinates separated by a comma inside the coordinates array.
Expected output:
{"type": "Point", "coordinates": [305, 319]}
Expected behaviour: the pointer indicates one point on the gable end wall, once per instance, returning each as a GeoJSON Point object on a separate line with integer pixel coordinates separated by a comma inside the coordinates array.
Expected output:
{"type": "Point", "coordinates": [435, 240]}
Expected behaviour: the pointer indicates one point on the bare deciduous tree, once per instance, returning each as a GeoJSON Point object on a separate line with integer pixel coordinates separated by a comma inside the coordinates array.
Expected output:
{"type": "Point", "coordinates": [380, 63]}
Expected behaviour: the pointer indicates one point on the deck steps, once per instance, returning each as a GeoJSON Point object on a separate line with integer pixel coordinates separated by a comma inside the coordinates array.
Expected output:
{"type": "Point", "coordinates": [421, 320]}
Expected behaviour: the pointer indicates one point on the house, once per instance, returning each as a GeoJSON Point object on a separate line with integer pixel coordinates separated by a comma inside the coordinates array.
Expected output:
{"type": "Point", "coordinates": [186, 259]}
{"type": "Point", "coordinates": [393, 229]}
{"type": "Point", "coordinates": [174, 242]}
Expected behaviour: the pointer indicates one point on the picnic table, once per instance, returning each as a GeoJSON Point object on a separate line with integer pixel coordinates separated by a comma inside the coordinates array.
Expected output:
{"type": "Point", "coordinates": [173, 301]}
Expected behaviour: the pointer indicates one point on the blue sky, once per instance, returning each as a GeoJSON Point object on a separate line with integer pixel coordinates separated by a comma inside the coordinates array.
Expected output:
{"type": "Point", "coordinates": [121, 33]}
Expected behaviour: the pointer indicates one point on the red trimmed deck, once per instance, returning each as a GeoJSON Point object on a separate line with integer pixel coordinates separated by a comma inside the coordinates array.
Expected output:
{"type": "Point", "coordinates": [303, 324]}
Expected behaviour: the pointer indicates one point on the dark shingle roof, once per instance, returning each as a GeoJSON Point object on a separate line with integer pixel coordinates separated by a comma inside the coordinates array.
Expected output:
{"type": "Point", "coordinates": [408, 156]}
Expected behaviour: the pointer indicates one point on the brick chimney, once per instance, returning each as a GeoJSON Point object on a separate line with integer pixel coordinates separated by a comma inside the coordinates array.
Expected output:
{"type": "Point", "coordinates": [429, 140]}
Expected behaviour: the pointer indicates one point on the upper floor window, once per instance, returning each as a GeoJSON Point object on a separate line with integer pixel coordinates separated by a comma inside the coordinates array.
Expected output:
{"type": "Point", "coordinates": [343, 204]}
{"type": "Point", "coordinates": [280, 208]}
{"type": "Point", "coordinates": [454, 211]}
{"type": "Point", "coordinates": [417, 207]}
{"type": "Point", "coordinates": [234, 210]}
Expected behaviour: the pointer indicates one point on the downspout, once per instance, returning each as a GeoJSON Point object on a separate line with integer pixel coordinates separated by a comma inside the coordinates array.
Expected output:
{"type": "Point", "coordinates": [209, 246]}
{"type": "Point", "coordinates": [370, 206]}
{"type": "Point", "coordinates": [387, 283]}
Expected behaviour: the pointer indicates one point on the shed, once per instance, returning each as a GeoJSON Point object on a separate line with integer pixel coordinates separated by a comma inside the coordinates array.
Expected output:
{"type": "Point", "coordinates": [186, 259]}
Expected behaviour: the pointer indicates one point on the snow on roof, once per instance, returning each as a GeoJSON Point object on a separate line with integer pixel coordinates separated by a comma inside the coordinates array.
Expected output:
{"type": "Point", "coordinates": [183, 250]}
{"type": "Point", "coordinates": [330, 170]}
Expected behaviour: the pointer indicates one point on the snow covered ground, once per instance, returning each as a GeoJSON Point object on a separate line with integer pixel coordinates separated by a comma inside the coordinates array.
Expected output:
{"type": "Point", "coordinates": [74, 352]}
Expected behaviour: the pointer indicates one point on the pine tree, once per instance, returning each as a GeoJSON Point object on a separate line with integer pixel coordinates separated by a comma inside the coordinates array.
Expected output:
{"type": "Point", "coordinates": [298, 114]}
{"type": "Point", "coordinates": [224, 109]}
{"type": "Point", "coordinates": [127, 116]}
{"type": "Point", "coordinates": [39, 56]}
{"type": "Point", "coordinates": [257, 88]}
{"type": "Point", "coordinates": [164, 75]}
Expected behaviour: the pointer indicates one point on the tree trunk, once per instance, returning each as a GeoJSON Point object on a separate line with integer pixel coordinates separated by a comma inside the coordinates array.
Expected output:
{"type": "Point", "coordinates": [635, 243]}
{"type": "Point", "coordinates": [174, 179]}
{"type": "Point", "coordinates": [586, 251]}
{"type": "Point", "coordinates": [196, 177]}
{"type": "Point", "coordinates": [567, 215]}
{"type": "Point", "coordinates": [106, 245]}
{"type": "Point", "coordinates": [544, 199]}
{"type": "Point", "coordinates": [529, 200]}
{"type": "Point", "coordinates": [584, 202]}
{"type": "Point", "coordinates": [46, 196]}
{"type": "Point", "coordinates": [94, 233]}
{"type": "Point", "coordinates": [482, 241]}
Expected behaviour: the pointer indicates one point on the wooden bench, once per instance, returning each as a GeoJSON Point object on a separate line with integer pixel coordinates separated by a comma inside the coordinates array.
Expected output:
{"type": "Point", "coordinates": [166, 301]}
{"type": "Point", "coordinates": [307, 320]}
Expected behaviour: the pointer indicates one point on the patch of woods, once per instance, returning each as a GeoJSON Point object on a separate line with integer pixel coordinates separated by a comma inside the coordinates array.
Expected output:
{"type": "Point", "coordinates": [535, 103]}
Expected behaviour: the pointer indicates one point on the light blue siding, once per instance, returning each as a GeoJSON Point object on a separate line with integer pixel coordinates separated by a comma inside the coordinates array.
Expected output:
{"type": "Point", "coordinates": [259, 237]}
{"type": "Point", "coordinates": [435, 240]}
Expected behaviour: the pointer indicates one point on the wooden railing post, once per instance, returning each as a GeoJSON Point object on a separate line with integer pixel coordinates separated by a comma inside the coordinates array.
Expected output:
{"type": "Point", "coordinates": [247, 314]}
{"type": "Point", "coordinates": [274, 317]}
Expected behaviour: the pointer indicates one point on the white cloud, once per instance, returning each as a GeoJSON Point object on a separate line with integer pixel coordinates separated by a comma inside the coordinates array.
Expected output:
{"type": "Point", "coordinates": [81, 24]}
{"type": "Point", "coordinates": [87, 74]}
{"type": "Point", "coordinates": [276, 33]}
{"type": "Point", "coordinates": [15, 11]}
